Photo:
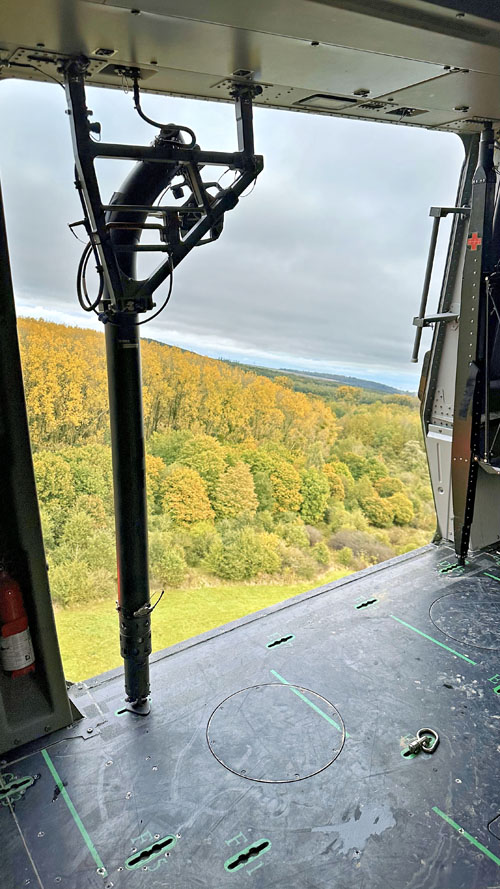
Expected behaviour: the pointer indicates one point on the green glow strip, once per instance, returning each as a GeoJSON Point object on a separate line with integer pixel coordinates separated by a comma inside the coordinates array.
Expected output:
{"type": "Point", "coordinates": [492, 575]}
{"type": "Point", "coordinates": [467, 836]}
{"type": "Point", "coordinates": [314, 707]}
{"type": "Point", "coordinates": [78, 821]}
{"type": "Point", "coordinates": [18, 785]}
{"type": "Point", "coordinates": [149, 853]}
{"type": "Point", "coordinates": [244, 854]}
{"type": "Point", "coordinates": [463, 656]}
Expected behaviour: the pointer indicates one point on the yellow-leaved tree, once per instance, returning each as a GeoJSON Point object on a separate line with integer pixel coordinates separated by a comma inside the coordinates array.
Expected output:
{"type": "Point", "coordinates": [186, 499]}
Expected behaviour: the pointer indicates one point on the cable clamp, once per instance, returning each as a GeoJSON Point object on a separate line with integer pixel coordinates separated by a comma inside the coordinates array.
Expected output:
{"type": "Point", "coordinates": [145, 609]}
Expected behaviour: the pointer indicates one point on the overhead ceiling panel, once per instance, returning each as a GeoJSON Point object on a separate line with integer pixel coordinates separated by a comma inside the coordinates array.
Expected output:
{"type": "Point", "coordinates": [354, 53]}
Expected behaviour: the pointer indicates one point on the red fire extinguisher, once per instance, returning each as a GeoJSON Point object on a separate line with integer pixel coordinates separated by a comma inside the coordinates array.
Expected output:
{"type": "Point", "coordinates": [16, 650]}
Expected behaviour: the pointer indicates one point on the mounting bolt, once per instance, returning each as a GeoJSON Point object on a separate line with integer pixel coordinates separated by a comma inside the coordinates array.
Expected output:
{"type": "Point", "coordinates": [89, 731]}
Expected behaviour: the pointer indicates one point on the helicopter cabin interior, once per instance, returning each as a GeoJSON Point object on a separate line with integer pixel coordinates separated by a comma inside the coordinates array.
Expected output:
{"type": "Point", "coordinates": [348, 736]}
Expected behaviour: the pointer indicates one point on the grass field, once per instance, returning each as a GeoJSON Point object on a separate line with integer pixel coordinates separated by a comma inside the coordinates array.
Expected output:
{"type": "Point", "coordinates": [88, 635]}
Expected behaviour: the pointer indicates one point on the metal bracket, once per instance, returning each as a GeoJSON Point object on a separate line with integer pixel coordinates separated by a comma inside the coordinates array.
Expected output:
{"type": "Point", "coordinates": [444, 317]}
{"type": "Point", "coordinates": [441, 212]}
{"type": "Point", "coordinates": [198, 220]}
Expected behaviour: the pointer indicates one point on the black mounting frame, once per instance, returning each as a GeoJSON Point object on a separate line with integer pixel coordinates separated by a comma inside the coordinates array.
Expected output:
{"type": "Point", "coordinates": [207, 211]}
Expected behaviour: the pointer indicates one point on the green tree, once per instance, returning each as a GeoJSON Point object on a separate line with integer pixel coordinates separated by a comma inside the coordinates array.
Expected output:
{"type": "Point", "coordinates": [321, 553]}
{"type": "Point", "coordinates": [167, 560]}
{"type": "Point", "coordinates": [235, 492]}
{"type": "Point", "coordinates": [375, 469]}
{"type": "Point", "coordinates": [355, 464]}
{"type": "Point", "coordinates": [344, 556]}
{"type": "Point", "coordinates": [168, 445]}
{"type": "Point", "coordinates": [244, 554]}
{"type": "Point", "coordinates": [294, 533]}
{"type": "Point", "coordinates": [54, 482]}
{"type": "Point", "coordinates": [315, 492]}
{"type": "Point", "coordinates": [92, 471]}
{"type": "Point", "coordinates": [264, 490]}
{"type": "Point", "coordinates": [186, 499]}
{"type": "Point", "coordinates": [206, 455]}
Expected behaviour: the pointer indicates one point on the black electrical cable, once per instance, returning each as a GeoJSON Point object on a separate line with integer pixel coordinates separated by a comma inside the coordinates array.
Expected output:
{"type": "Point", "coordinates": [8, 64]}
{"type": "Point", "coordinates": [167, 298]}
{"type": "Point", "coordinates": [165, 128]}
{"type": "Point", "coordinates": [81, 285]}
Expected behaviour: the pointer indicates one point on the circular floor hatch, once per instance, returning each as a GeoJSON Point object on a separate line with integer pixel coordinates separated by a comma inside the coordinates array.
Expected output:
{"type": "Point", "coordinates": [470, 613]}
{"type": "Point", "coordinates": [275, 733]}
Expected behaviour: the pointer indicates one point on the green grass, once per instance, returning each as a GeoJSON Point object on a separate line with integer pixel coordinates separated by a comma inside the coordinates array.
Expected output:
{"type": "Point", "coordinates": [88, 635]}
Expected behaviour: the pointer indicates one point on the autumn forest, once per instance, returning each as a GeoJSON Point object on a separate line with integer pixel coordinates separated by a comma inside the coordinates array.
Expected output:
{"type": "Point", "coordinates": [249, 480]}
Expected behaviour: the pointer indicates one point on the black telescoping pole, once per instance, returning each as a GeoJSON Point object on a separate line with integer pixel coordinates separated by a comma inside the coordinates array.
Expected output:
{"type": "Point", "coordinates": [129, 480]}
{"type": "Point", "coordinates": [143, 185]}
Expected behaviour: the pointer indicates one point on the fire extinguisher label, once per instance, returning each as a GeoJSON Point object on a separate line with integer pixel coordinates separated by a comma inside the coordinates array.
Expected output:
{"type": "Point", "coordinates": [16, 651]}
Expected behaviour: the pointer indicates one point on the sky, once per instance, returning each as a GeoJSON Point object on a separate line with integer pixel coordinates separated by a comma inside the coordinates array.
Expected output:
{"type": "Point", "coordinates": [319, 268]}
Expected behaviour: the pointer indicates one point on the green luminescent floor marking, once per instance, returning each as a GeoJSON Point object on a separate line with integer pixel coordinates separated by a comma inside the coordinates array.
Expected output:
{"type": "Point", "coordinates": [436, 641]}
{"type": "Point", "coordinates": [467, 836]}
{"type": "Point", "coordinates": [492, 575]}
{"type": "Point", "coordinates": [78, 821]}
{"type": "Point", "coordinates": [307, 701]}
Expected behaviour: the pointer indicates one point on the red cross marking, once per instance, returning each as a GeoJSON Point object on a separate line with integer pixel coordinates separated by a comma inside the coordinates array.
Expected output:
{"type": "Point", "coordinates": [474, 241]}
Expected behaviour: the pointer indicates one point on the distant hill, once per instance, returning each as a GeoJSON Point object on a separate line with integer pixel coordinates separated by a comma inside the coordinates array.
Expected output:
{"type": "Point", "coordinates": [271, 372]}
{"type": "Point", "coordinates": [323, 384]}
{"type": "Point", "coordinates": [347, 381]}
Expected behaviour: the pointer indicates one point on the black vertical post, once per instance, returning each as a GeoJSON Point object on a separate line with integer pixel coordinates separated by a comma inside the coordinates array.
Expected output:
{"type": "Point", "coordinates": [471, 345]}
{"type": "Point", "coordinates": [129, 478]}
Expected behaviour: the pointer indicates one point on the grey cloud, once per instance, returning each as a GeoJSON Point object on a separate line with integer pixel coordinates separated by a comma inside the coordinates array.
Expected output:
{"type": "Point", "coordinates": [324, 260]}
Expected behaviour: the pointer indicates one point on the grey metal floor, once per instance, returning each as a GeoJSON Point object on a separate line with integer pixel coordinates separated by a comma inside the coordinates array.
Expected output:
{"type": "Point", "coordinates": [120, 800]}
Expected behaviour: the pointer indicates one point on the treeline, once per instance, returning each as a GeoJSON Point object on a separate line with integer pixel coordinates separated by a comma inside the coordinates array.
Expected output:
{"type": "Point", "coordinates": [247, 478]}
{"type": "Point", "coordinates": [315, 384]}
{"type": "Point", "coordinates": [66, 392]}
